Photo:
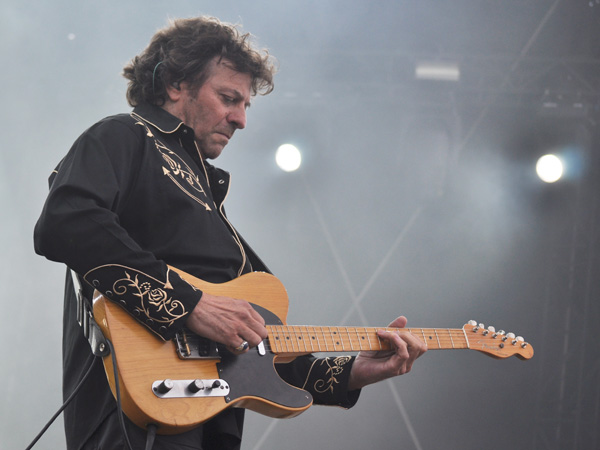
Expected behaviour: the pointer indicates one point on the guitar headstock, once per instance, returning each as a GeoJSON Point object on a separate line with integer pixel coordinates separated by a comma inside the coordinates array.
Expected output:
{"type": "Point", "coordinates": [496, 344]}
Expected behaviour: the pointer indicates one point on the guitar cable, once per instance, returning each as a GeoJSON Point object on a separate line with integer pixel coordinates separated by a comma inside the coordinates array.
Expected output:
{"type": "Point", "coordinates": [65, 404]}
{"type": "Point", "coordinates": [118, 394]}
{"type": "Point", "coordinates": [151, 428]}
{"type": "Point", "coordinates": [94, 358]}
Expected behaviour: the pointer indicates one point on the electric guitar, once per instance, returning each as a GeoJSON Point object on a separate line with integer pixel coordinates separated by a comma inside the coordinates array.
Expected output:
{"type": "Point", "coordinates": [184, 382]}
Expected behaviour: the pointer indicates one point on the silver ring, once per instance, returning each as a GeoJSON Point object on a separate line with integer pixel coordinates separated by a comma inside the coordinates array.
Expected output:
{"type": "Point", "coordinates": [242, 347]}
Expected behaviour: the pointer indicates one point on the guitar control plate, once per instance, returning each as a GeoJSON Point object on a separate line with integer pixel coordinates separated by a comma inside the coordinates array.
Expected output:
{"type": "Point", "coordinates": [190, 388]}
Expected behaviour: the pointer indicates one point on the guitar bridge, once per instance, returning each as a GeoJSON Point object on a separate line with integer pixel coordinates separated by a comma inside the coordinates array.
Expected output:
{"type": "Point", "coordinates": [191, 346]}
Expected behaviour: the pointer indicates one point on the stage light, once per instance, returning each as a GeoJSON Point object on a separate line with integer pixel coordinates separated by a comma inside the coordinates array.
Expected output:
{"type": "Point", "coordinates": [438, 71]}
{"type": "Point", "coordinates": [549, 168]}
{"type": "Point", "coordinates": [288, 157]}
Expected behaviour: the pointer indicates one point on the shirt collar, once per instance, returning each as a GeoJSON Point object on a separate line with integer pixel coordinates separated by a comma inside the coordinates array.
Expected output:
{"type": "Point", "coordinates": [159, 118]}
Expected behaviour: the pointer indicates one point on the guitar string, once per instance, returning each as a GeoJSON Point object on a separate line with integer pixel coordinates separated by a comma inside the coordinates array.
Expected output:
{"type": "Point", "coordinates": [296, 336]}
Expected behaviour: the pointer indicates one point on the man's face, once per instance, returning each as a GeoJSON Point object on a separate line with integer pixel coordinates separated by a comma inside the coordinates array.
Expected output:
{"type": "Point", "coordinates": [216, 109]}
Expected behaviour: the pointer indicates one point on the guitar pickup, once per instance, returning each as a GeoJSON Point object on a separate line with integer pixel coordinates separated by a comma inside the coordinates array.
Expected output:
{"type": "Point", "coordinates": [191, 346]}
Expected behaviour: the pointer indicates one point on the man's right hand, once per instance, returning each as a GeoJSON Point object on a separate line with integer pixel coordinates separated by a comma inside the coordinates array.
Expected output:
{"type": "Point", "coordinates": [227, 320]}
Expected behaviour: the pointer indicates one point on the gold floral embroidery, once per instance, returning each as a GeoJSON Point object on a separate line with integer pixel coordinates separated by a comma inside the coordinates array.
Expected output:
{"type": "Point", "coordinates": [178, 171]}
{"type": "Point", "coordinates": [335, 368]}
{"type": "Point", "coordinates": [155, 302]}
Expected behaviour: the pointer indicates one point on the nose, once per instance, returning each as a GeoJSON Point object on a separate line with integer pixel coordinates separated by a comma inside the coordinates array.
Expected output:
{"type": "Point", "coordinates": [237, 117]}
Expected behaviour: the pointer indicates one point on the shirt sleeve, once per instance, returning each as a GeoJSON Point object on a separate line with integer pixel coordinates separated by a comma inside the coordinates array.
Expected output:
{"type": "Point", "coordinates": [325, 378]}
{"type": "Point", "coordinates": [80, 227]}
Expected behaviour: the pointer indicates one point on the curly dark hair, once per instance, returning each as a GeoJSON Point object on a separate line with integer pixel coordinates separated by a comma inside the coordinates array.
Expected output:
{"type": "Point", "coordinates": [182, 51]}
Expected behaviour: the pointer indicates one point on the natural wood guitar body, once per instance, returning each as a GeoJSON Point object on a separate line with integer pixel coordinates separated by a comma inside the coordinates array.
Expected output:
{"type": "Point", "coordinates": [143, 358]}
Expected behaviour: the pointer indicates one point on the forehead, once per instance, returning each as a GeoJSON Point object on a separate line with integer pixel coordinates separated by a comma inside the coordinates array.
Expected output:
{"type": "Point", "coordinates": [222, 75]}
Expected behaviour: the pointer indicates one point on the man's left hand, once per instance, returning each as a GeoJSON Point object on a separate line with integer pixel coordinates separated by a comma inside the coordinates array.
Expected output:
{"type": "Point", "coordinates": [371, 367]}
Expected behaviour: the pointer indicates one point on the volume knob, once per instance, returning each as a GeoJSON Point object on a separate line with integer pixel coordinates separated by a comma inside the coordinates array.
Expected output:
{"type": "Point", "coordinates": [165, 386]}
{"type": "Point", "coordinates": [196, 386]}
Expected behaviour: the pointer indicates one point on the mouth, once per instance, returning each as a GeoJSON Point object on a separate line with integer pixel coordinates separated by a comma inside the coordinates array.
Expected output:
{"type": "Point", "coordinates": [228, 134]}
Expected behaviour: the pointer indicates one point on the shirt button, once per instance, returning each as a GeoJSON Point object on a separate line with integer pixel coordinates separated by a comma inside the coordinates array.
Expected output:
{"type": "Point", "coordinates": [162, 330]}
{"type": "Point", "coordinates": [221, 181]}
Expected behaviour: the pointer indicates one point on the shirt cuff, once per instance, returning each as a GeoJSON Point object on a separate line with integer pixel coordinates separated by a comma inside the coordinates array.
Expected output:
{"type": "Point", "coordinates": [161, 304]}
{"type": "Point", "coordinates": [327, 381]}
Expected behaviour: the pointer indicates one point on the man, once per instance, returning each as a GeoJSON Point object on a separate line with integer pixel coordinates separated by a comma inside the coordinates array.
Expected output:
{"type": "Point", "coordinates": [136, 193]}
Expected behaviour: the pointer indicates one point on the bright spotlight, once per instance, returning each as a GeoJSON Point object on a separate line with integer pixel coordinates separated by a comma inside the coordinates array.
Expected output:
{"type": "Point", "coordinates": [549, 168]}
{"type": "Point", "coordinates": [288, 157]}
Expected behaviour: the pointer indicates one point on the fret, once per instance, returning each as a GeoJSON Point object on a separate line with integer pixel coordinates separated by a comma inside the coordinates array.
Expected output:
{"type": "Point", "coordinates": [318, 342]}
{"type": "Point", "coordinates": [333, 339]}
{"type": "Point", "coordinates": [288, 341]}
{"type": "Point", "coordinates": [272, 339]}
{"type": "Point", "coordinates": [284, 340]}
{"type": "Point", "coordinates": [378, 341]}
{"type": "Point", "coordinates": [368, 339]}
{"type": "Point", "coordinates": [451, 340]}
{"type": "Point", "coordinates": [437, 337]}
{"type": "Point", "coordinates": [303, 339]}
{"type": "Point", "coordinates": [349, 339]}
{"type": "Point", "coordinates": [300, 338]}
{"type": "Point", "coordinates": [291, 339]}
{"type": "Point", "coordinates": [307, 341]}
{"type": "Point", "coordinates": [358, 338]}
{"type": "Point", "coordinates": [281, 339]}
{"type": "Point", "coordinates": [424, 338]}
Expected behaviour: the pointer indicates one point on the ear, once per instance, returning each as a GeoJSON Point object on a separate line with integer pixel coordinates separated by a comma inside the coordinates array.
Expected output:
{"type": "Point", "coordinates": [174, 91]}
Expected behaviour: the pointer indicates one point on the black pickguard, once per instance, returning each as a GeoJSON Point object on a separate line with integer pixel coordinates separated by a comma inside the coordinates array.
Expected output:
{"type": "Point", "coordinates": [252, 374]}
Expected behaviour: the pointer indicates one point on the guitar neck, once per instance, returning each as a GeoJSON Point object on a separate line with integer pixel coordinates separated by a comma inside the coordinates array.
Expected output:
{"type": "Point", "coordinates": [300, 339]}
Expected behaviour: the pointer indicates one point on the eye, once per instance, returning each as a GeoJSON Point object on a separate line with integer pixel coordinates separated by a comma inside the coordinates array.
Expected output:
{"type": "Point", "coordinates": [228, 99]}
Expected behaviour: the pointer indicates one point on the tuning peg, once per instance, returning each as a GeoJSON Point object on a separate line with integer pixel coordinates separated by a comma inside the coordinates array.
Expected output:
{"type": "Point", "coordinates": [489, 330]}
{"type": "Point", "coordinates": [474, 325]}
{"type": "Point", "coordinates": [517, 339]}
{"type": "Point", "coordinates": [508, 336]}
{"type": "Point", "coordinates": [477, 326]}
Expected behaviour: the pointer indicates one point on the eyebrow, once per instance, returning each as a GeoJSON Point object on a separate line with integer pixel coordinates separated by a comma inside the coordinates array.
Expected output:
{"type": "Point", "coordinates": [237, 94]}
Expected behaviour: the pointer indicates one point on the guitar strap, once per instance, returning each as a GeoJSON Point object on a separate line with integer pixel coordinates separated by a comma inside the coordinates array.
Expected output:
{"type": "Point", "coordinates": [85, 317]}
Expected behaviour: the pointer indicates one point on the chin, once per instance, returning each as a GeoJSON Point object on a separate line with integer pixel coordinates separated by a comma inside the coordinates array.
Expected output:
{"type": "Point", "coordinates": [212, 154]}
